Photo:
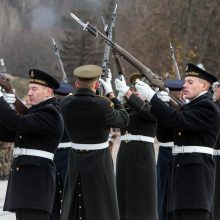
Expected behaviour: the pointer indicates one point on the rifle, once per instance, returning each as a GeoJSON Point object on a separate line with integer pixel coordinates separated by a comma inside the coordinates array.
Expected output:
{"type": "Point", "coordinates": [60, 64]}
{"type": "Point", "coordinates": [6, 85]}
{"type": "Point", "coordinates": [154, 79]}
{"type": "Point", "coordinates": [105, 61]}
{"type": "Point", "coordinates": [176, 68]}
{"type": "Point", "coordinates": [108, 31]}
{"type": "Point", "coordinates": [121, 71]}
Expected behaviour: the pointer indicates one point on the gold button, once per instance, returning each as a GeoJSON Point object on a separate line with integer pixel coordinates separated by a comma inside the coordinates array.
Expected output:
{"type": "Point", "coordinates": [80, 218]}
{"type": "Point", "coordinates": [179, 133]}
{"type": "Point", "coordinates": [80, 207]}
{"type": "Point", "coordinates": [79, 195]}
{"type": "Point", "coordinates": [60, 191]}
{"type": "Point", "coordinates": [61, 200]}
{"type": "Point", "coordinates": [177, 165]}
{"type": "Point", "coordinates": [20, 137]}
{"type": "Point", "coordinates": [17, 168]}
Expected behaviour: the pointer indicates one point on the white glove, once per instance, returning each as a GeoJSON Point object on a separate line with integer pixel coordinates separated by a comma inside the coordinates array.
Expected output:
{"type": "Point", "coordinates": [121, 98]}
{"type": "Point", "coordinates": [144, 90]}
{"type": "Point", "coordinates": [164, 96]}
{"type": "Point", "coordinates": [1, 93]}
{"type": "Point", "coordinates": [9, 98]}
{"type": "Point", "coordinates": [107, 83]}
{"type": "Point", "coordinates": [120, 86]}
{"type": "Point", "coordinates": [215, 85]}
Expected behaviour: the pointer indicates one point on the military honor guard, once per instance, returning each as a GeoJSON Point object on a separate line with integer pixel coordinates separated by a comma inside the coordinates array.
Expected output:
{"type": "Point", "coordinates": [31, 184]}
{"type": "Point", "coordinates": [136, 164]}
{"type": "Point", "coordinates": [90, 189]}
{"type": "Point", "coordinates": [196, 129]}
{"type": "Point", "coordinates": [61, 156]}
{"type": "Point", "coordinates": [165, 137]}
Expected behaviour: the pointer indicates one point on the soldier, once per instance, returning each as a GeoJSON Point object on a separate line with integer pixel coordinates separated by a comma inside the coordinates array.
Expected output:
{"type": "Point", "coordinates": [136, 165]}
{"type": "Point", "coordinates": [31, 184]}
{"type": "Point", "coordinates": [165, 139]}
{"type": "Point", "coordinates": [61, 156]}
{"type": "Point", "coordinates": [216, 202]}
{"type": "Point", "coordinates": [196, 129]}
{"type": "Point", "coordinates": [89, 190]}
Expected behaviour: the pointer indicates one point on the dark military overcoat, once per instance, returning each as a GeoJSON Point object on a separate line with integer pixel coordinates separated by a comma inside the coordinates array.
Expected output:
{"type": "Point", "coordinates": [136, 166]}
{"type": "Point", "coordinates": [216, 201]}
{"type": "Point", "coordinates": [164, 135]}
{"type": "Point", "coordinates": [88, 119]}
{"type": "Point", "coordinates": [193, 174]}
{"type": "Point", "coordinates": [61, 161]}
{"type": "Point", "coordinates": [31, 183]}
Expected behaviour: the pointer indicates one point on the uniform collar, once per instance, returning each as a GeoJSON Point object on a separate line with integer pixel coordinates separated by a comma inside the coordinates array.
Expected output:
{"type": "Point", "coordinates": [84, 91]}
{"type": "Point", "coordinates": [198, 98]}
{"type": "Point", "coordinates": [46, 102]}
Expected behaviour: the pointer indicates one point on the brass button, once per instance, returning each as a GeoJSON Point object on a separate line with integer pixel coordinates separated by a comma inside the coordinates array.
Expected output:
{"type": "Point", "coordinates": [79, 195]}
{"type": "Point", "coordinates": [177, 165]}
{"type": "Point", "coordinates": [179, 133]}
{"type": "Point", "coordinates": [17, 168]}
{"type": "Point", "coordinates": [20, 137]}
{"type": "Point", "coordinates": [80, 206]}
{"type": "Point", "coordinates": [80, 217]}
{"type": "Point", "coordinates": [61, 200]}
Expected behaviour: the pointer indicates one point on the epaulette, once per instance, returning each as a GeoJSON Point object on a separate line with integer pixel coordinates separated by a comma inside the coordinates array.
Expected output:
{"type": "Point", "coordinates": [111, 103]}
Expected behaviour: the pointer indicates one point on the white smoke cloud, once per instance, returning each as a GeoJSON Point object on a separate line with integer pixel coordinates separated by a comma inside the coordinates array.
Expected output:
{"type": "Point", "coordinates": [43, 18]}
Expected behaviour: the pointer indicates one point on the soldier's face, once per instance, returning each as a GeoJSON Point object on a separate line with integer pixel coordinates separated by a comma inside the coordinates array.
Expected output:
{"type": "Point", "coordinates": [193, 86]}
{"type": "Point", "coordinates": [37, 93]}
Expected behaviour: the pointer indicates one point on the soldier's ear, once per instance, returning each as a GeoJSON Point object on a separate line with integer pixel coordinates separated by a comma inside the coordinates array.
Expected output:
{"type": "Point", "coordinates": [97, 85]}
{"type": "Point", "coordinates": [76, 84]}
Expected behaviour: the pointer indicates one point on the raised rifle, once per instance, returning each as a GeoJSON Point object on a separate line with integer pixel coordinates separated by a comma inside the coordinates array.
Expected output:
{"type": "Point", "coordinates": [176, 68]}
{"type": "Point", "coordinates": [153, 78]}
{"type": "Point", "coordinates": [108, 30]}
{"type": "Point", "coordinates": [60, 63]}
{"type": "Point", "coordinates": [121, 71]}
{"type": "Point", "coordinates": [105, 62]}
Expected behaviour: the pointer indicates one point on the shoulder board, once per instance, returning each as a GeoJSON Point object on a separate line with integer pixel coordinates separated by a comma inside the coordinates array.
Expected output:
{"type": "Point", "coordinates": [104, 97]}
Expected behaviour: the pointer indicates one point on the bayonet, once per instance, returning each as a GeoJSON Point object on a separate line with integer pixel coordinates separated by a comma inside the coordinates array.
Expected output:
{"type": "Point", "coordinates": [60, 63]}
{"type": "Point", "coordinates": [176, 68]}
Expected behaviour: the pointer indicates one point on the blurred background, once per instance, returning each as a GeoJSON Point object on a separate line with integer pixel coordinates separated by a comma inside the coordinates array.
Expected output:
{"type": "Point", "coordinates": [143, 27]}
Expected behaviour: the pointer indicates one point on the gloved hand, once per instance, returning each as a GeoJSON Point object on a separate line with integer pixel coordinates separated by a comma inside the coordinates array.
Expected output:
{"type": "Point", "coordinates": [144, 90]}
{"type": "Point", "coordinates": [120, 86]}
{"type": "Point", "coordinates": [164, 96]}
{"type": "Point", "coordinates": [1, 93]}
{"type": "Point", "coordinates": [121, 98]}
{"type": "Point", "coordinates": [9, 98]}
{"type": "Point", "coordinates": [107, 83]}
{"type": "Point", "coordinates": [215, 85]}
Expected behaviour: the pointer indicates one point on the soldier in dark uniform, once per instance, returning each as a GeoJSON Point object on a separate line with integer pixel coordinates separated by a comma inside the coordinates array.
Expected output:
{"type": "Point", "coordinates": [196, 129]}
{"type": "Point", "coordinates": [136, 164]}
{"type": "Point", "coordinates": [89, 190]}
{"type": "Point", "coordinates": [216, 202]}
{"type": "Point", "coordinates": [61, 156]}
{"type": "Point", "coordinates": [31, 184]}
{"type": "Point", "coordinates": [165, 139]}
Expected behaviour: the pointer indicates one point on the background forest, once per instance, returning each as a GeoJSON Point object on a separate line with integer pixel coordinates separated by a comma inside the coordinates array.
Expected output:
{"type": "Point", "coordinates": [143, 27]}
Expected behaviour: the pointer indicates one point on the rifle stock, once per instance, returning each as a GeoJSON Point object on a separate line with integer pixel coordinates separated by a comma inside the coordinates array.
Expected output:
{"type": "Point", "coordinates": [20, 107]}
{"type": "Point", "coordinates": [121, 71]}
